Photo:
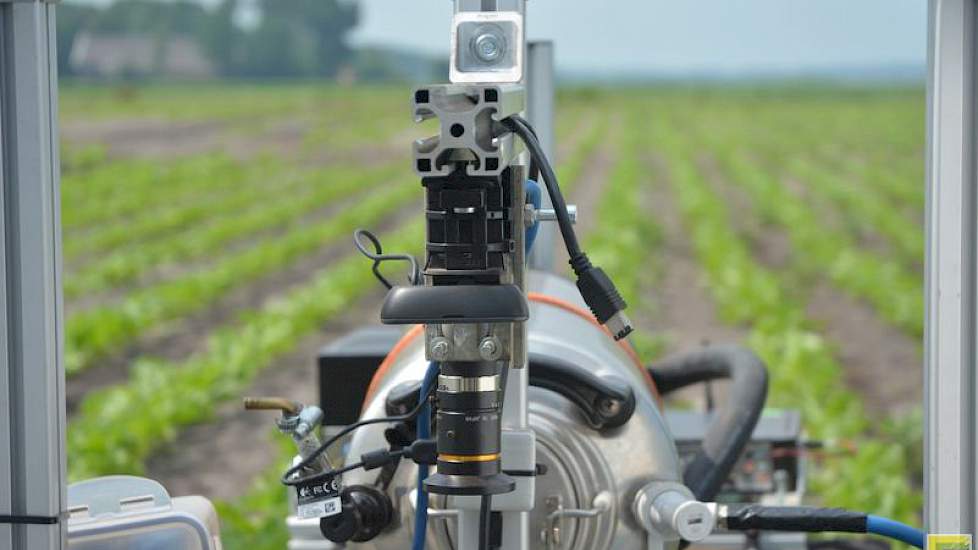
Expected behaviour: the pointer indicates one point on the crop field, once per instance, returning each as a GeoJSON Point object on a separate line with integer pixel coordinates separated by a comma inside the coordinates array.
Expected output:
{"type": "Point", "coordinates": [208, 255]}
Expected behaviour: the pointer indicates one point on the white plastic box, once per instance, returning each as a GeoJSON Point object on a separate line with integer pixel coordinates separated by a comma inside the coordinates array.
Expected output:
{"type": "Point", "coordinates": [134, 513]}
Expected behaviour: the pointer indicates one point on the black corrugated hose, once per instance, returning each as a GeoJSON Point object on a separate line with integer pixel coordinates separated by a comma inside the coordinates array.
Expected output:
{"type": "Point", "coordinates": [734, 423]}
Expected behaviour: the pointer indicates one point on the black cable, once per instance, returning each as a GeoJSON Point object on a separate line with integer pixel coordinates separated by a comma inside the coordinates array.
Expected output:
{"type": "Point", "coordinates": [520, 127]}
{"type": "Point", "coordinates": [793, 518]}
{"type": "Point", "coordinates": [596, 287]}
{"type": "Point", "coordinates": [378, 256]}
{"type": "Point", "coordinates": [485, 521]}
{"type": "Point", "coordinates": [286, 477]}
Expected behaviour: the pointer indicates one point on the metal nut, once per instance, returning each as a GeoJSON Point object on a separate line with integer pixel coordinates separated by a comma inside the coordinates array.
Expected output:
{"type": "Point", "coordinates": [440, 348]}
{"type": "Point", "coordinates": [490, 349]}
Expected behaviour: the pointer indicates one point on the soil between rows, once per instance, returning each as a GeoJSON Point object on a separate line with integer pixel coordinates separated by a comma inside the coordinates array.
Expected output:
{"type": "Point", "coordinates": [881, 363]}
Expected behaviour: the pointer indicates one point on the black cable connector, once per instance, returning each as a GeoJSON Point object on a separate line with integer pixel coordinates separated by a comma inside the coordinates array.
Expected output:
{"type": "Point", "coordinates": [602, 297]}
{"type": "Point", "coordinates": [423, 451]}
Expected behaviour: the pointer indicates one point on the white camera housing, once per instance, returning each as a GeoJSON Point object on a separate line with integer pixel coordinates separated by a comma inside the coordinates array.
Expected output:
{"type": "Point", "coordinates": [487, 47]}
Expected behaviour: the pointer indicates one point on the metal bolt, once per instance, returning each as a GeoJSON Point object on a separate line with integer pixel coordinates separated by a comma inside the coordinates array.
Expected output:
{"type": "Point", "coordinates": [489, 47]}
{"type": "Point", "coordinates": [440, 348]}
{"type": "Point", "coordinates": [489, 349]}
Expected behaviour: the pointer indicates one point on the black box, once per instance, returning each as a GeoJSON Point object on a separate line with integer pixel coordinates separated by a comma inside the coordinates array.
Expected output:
{"type": "Point", "coordinates": [346, 367]}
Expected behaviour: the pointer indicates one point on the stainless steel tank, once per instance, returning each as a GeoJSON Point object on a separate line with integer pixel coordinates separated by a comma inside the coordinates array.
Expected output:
{"type": "Point", "coordinates": [585, 499]}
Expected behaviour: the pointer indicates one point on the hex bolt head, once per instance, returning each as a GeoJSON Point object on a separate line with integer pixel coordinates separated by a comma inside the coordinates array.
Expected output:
{"type": "Point", "coordinates": [490, 349]}
{"type": "Point", "coordinates": [440, 348]}
{"type": "Point", "coordinates": [489, 46]}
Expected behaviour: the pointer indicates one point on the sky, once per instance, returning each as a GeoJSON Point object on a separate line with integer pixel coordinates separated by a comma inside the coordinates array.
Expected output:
{"type": "Point", "coordinates": [715, 37]}
{"type": "Point", "coordinates": [718, 37]}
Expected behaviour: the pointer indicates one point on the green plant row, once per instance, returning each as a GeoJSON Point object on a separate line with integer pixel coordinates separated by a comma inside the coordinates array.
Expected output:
{"type": "Point", "coordinates": [259, 182]}
{"type": "Point", "coordinates": [570, 170]}
{"type": "Point", "coordinates": [117, 428]}
{"type": "Point", "coordinates": [895, 292]}
{"type": "Point", "coordinates": [804, 372]}
{"type": "Point", "coordinates": [76, 159]}
{"type": "Point", "coordinates": [237, 219]}
{"type": "Point", "coordinates": [871, 184]}
{"type": "Point", "coordinates": [123, 188]}
{"type": "Point", "coordinates": [863, 208]}
{"type": "Point", "coordinates": [97, 333]}
{"type": "Point", "coordinates": [622, 240]}
{"type": "Point", "coordinates": [256, 520]}
{"type": "Point", "coordinates": [218, 102]}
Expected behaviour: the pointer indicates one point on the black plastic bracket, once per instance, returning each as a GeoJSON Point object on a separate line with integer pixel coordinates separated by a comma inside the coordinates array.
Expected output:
{"type": "Point", "coordinates": [408, 305]}
{"type": "Point", "coordinates": [606, 401]}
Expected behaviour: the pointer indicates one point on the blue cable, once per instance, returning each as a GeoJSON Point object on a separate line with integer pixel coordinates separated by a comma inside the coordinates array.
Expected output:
{"type": "Point", "coordinates": [895, 530]}
{"type": "Point", "coordinates": [536, 199]}
{"type": "Point", "coordinates": [423, 432]}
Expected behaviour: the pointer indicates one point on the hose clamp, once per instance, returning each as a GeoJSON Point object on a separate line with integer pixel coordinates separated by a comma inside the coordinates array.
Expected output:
{"type": "Point", "coordinates": [468, 384]}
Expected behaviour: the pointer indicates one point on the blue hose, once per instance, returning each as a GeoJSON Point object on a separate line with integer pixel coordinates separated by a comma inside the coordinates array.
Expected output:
{"type": "Point", "coordinates": [424, 432]}
{"type": "Point", "coordinates": [895, 530]}
{"type": "Point", "coordinates": [535, 198]}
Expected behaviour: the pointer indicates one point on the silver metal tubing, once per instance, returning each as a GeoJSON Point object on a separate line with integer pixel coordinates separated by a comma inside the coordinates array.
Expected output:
{"type": "Point", "coordinates": [950, 276]}
{"type": "Point", "coordinates": [32, 378]}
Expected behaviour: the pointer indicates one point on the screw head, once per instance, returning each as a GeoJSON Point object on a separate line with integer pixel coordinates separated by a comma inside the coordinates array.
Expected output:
{"type": "Point", "coordinates": [440, 349]}
{"type": "Point", "coordinates": [489, 46]}
{"type": "Point", "coordinates": [489, 349]}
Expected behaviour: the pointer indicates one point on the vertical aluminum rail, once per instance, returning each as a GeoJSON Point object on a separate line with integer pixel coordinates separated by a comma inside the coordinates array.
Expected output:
{"type": "Point", "coordinates": [540, 111]}
{"type": "Point", "coordinates": [32, 409]}
{"type": "Point", "coordinates": [951, 283]}
{"type": "Point", "coordinates": [516, 519]}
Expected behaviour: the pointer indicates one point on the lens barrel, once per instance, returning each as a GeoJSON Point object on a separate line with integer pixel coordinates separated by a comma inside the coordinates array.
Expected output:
{"type": "Point", "coordinates": [469, 429]}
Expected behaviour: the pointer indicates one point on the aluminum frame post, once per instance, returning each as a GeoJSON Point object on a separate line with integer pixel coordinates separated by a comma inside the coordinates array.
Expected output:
{"type": "Point", "coordinates": [32, 424]}
{"type": "Point", "coordinates": [950, 275]}
{"type": "Point", "coordinates": [540, 111]}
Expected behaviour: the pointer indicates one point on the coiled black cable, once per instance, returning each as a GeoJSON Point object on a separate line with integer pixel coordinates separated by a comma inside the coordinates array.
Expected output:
{"type": "Point", "coordinates": [378, 256]}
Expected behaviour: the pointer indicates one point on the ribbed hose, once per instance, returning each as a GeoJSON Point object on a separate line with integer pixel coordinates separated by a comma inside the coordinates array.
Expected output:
{"type": "Point", "coordinates": [734, 422]}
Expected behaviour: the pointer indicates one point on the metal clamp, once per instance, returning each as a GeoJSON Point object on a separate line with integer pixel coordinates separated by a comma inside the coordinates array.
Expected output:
{"type": "Point", "coordinates": [468, 384]}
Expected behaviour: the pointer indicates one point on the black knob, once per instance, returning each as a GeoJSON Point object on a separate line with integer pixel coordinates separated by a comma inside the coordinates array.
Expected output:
{"type": "Point", "coordinates": [366, 512]}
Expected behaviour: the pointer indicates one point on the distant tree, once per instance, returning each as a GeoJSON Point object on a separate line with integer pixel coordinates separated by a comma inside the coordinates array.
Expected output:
{"type": "Point", "coordinates": [183, 17]}
{"type": "Point", "coordinates": [294, 38]}
{"type": "Point", "coordinates": [221, 38]}
{"type": "Point", "coordinates": [72, 19]}
{"type": "Point", "coordinates": [315, 32]}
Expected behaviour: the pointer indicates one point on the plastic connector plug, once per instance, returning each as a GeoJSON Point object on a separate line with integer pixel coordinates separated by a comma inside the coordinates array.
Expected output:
{"type": "Point", "coordinates": [423, 451]}
{"type": "Point", "coordinates": [602, 297]}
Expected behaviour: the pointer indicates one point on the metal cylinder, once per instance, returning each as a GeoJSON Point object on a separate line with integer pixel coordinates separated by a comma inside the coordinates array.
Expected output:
{"type": "Point", "coordinates": [469, 421]}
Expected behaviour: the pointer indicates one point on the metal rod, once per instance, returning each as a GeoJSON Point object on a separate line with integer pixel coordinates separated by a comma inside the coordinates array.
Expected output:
{"type": "Point", "coordinates": [540, 112]}
{"type": "Point", "coordinates": [950, 274]}
{"type": "Point", "coordinates": [32, 426]}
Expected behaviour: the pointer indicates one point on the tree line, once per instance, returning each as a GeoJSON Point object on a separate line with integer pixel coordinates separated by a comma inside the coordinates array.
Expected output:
{"type": "Point", "coordinates": [292, 38]}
